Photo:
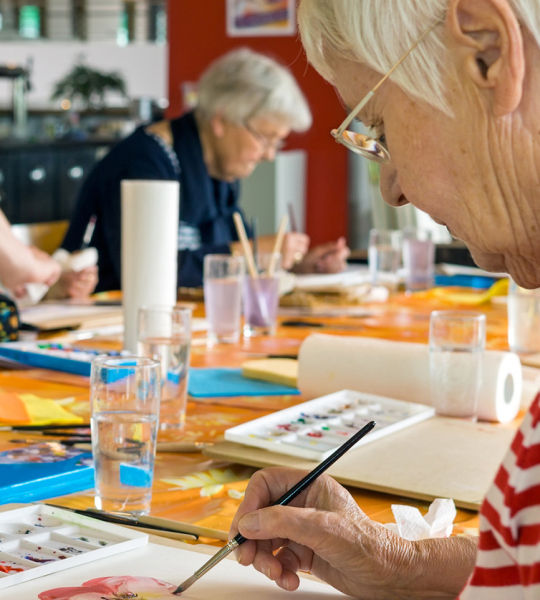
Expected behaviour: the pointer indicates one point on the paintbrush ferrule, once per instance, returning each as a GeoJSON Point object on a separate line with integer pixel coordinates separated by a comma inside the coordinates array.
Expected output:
{"type": "Point", "coordinates": [214, 560]}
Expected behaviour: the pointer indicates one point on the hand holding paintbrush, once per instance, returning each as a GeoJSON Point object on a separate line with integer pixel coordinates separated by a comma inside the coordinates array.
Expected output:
{"type": "Point", "coordinates": [285, 499]}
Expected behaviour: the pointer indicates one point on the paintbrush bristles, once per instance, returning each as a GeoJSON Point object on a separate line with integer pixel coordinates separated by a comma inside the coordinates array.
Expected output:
{"type": "Point", "coordinates": [277, 245]}
{"type": "Point", "coordinates": [248, 253]}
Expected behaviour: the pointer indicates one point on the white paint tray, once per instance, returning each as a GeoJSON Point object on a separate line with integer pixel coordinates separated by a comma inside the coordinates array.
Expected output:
{"type": "Point", "coordinates": [316, 428]}
{"type": "Point", "coordinates": [37, 540]}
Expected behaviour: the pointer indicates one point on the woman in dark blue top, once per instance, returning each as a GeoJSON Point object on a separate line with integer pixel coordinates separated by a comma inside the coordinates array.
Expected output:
{"type": "Point", "coordinates": [247, 105]}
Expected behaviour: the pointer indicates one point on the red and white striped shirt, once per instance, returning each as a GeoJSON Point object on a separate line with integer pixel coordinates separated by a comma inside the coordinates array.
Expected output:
{"type": "Point", "coordinates": [508, 559]}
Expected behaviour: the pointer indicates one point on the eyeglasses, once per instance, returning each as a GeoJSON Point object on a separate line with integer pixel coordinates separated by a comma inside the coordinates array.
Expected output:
{"type": "Point", "coordinates": [266, 142]}
{"type": "Point", "coordinates": [364, 145]}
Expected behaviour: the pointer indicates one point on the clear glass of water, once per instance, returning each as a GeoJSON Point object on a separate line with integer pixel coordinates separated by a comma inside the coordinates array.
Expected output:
{"type": "Point", "coordinates": [223, 278]}
{"type": "Point", "coordinates": [164, 333]}
{"type": "Point", "coordinates": [261, 296]}
{"type": "Point", "coordinates": [457, 340]}
{"type": "Point", "coordinates": [418, 260]}
{"type": "Point", "coordinates": [384, 257]}
{"type": "Point", "coordinates": [124, 397]}
{"type": "Point", "coordinates": [523, 319]}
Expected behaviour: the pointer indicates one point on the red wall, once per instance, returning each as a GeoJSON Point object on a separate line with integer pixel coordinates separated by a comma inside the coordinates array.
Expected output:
{"type": "Point", "coordinates": [197, 35]}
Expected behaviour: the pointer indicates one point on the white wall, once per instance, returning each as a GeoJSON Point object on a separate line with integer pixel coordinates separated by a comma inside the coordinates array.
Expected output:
{"type": "Point", "coordinates": [143, 66]}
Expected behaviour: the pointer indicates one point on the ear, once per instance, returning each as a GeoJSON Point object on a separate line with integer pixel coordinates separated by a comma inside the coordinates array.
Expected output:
{"type": "Point", "coordinates": [489, 34]}
{"type": "Point", "coordinates": [217, 124]}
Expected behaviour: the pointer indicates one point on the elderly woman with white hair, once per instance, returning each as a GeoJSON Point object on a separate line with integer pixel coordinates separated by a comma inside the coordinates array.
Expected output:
{"type": "Point", "coordinates": [247, 105]}
{"type": "Point", "coordinates": [450, 88]}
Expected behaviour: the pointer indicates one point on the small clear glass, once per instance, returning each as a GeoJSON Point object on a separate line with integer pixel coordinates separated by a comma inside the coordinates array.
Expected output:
{"type": "Point", "coordinates": [457, 341]}
{"type": "Point", "coordinates": [164, 333]}
{"type": "Point", "coordinates": [124, 398]}
{"type": "Point", "coordinates": [523, 319]}
{"type": "Point", "coordinates": [261, 296]}
{"type": "Point", "coordinates": [384, 257]}
{"type": "Point", "coordinates": [418, 260]}
{"type": "Point", "coordinates": [223, 279]}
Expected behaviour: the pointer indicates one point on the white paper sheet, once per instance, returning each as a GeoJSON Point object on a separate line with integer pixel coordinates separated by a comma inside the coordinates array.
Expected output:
{"type": "Point", "coordinates": [324, 281]}
{"type": "Point", "coordinates": [227, 581]}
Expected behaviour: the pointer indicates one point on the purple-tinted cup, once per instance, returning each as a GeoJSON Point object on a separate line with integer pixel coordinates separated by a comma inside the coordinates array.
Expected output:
{"type": "Point", "coordinates": [418, 260]}
{"type": "Point", "coordinates": [261, 297]}
{"type": "Point", "coordinates": [223, 275]}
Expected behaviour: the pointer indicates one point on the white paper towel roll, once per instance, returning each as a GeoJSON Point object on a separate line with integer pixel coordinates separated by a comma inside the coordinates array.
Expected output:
{"type": "Point", "coordinates": [400, 370]}
{"type": "Point", "coordinates": [149, 249]}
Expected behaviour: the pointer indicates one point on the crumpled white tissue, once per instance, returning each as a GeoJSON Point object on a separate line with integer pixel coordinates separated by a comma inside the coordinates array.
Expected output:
{"type": "Point", "coordinates": [436, 523]}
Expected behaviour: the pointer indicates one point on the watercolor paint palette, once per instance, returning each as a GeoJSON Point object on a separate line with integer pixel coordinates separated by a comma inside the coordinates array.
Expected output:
{"type": "Point", "coordinates": [51, 355]}
{"type": "Point", "coordinates": [316, 428]}
{"type": "Point", "coordinates": [37, 540]}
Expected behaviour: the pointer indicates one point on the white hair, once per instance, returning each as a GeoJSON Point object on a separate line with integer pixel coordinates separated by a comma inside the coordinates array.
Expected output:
{"type": "Point", "coordinates": [378, 32]}
{"type": "Point", "coordinates": [244, 84]}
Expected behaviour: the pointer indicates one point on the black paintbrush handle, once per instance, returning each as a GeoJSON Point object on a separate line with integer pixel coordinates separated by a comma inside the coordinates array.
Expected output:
{"type": "Point", "coordinates": [318, 470]}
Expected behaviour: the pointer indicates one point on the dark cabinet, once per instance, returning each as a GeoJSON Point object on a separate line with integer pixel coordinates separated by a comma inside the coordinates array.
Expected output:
{"type": "Point", "coordinates": [35, 187]}
{"type": "Point", "coordinates": [40, 182]}
{"type": "Point", "coordinates": [7, 184]}
{"type": "Point", "coordinates": [73, 168]}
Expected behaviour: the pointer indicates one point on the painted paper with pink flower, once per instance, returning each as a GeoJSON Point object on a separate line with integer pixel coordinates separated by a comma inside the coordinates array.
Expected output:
{"type": "Point", "coordinates": [122, 587]}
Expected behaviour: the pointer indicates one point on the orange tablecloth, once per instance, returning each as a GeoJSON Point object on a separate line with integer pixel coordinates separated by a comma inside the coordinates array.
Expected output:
{"type": "Point", "coordinates": [192, 488]}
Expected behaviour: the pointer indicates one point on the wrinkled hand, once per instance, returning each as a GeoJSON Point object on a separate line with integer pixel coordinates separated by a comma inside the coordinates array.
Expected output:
{"type": "Point", "coordinates": [322, 531]}
{"type": "Point", "coordinates": [34, 266]}
{"type": "Point", "coordinates": [326, 258]}
{"type": "Point", "coordinates": [75, 284]}
{"type": "Point", "coordinates": [325, 532]}
{"type": "Point", "coordinates": [293, 251]}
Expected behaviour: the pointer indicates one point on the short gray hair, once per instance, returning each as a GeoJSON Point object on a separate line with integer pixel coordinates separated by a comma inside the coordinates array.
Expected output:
{"type": "Point", "coordinates": [243, 84]}
{"type": "Point", "coordinates": [378, 32]}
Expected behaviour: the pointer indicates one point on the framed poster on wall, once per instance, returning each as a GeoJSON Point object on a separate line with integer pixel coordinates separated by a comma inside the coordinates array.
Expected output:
{"type": "Point", "coordinates": [260, 17]}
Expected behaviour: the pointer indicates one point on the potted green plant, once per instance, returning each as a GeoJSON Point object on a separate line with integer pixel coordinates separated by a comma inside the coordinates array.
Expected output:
{"type": "Point", "coordinates": [86, 88]}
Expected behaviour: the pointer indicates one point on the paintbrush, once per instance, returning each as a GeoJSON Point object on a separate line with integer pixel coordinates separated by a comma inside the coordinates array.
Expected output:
{"type": "Point", "coordinates": [44, 427]}
{"type": "Point", "coordinates": [285, 499]}
{"type": "Point", "coordinates": [292, 217]}
{"type": "Point", "coordinates": [277, 245]}
{"type": "Point", "coordinates": [155, 525]}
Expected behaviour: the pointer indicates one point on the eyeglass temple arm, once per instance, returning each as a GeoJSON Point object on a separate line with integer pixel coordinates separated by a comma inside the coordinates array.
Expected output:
{"type": "Point", "coordinates": [368, 96]}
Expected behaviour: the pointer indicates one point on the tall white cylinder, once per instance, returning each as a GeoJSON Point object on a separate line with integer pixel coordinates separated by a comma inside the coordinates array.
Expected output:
{"type": "Point", "coordinates": [149, 249]}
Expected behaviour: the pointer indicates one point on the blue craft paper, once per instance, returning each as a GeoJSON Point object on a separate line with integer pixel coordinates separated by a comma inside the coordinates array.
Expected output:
{"type": "Point", "coordinates": [27, 482]}
{"type": "Point", "coordinates": [135, 476]}
{"type": "Point", "coordinates": [473, 281]}
{"type": "Point", "coordinates": [208, 383]}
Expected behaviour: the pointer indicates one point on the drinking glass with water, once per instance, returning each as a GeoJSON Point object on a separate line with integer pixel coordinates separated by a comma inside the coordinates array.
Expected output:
{"type": "Point", "coordinates": [456, 345]}
{"type": "Point", "coordinates": [223, 277]}
{"type": "Point", "coordinates": [523, 319]}
{"type": "Point", "coordinates": [164, 333]}
{"type": "Point", "coordinates": [418, 260]}
{"type": "Point", "coordinates": [384, 257]}
{"type": "Point", "coordinates": [124, 397]}
{"type": "Point", "coordinates": [261, 296]}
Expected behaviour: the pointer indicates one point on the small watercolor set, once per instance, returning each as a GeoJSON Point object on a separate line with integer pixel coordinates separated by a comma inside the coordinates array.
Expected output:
{"type": "Point", "coordinates": [316, 428]}
{"type": "Point", "coordinates": [38, 540]}
{"type": "Point", "coordinates": [51, 355]}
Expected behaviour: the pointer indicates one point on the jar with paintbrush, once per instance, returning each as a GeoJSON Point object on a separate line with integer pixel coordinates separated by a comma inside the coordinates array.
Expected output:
{"type": "Point", "coordinates": [261, 286]}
